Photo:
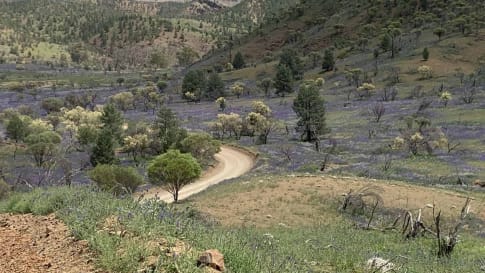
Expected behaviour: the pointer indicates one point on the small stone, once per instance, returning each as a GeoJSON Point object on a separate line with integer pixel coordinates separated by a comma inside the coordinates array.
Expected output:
{"type": "Point", "coordinates": [269, 216]}
{"type": "Point", "coordinates": [213, 259]}
{"type": "Point", "coordinates": [380, 265]}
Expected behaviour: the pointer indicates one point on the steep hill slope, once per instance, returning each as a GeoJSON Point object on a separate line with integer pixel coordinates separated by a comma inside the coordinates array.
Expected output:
{"type": "Point", "coordinates": [353, 26]}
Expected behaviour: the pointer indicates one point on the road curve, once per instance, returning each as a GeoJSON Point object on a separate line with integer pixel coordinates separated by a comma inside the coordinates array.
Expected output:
{"type": "Point", "coordinates": [232, 163]}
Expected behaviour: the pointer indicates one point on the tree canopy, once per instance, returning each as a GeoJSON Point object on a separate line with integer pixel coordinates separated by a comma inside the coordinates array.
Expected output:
{"type": "Point", "coordinates": [309, 105]}
{"type": "Point", "coordinates": [173, 170]}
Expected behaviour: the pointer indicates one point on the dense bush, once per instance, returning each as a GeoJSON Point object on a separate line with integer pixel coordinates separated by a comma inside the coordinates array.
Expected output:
{"type": "Point", "coordinates": [202, 146]}
{"type": "Point", "coordinates": [116, 179]}
{"type": "Point", "coordinates": [52, 104]}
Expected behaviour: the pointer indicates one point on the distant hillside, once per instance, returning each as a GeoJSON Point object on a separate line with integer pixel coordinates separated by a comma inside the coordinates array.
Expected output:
{"type": "Point", "coordinates": [225, 3]}
{"type": "Point", "coordinates": [103, 34]}
{"type": "Point", "coordinates": [346, 25]}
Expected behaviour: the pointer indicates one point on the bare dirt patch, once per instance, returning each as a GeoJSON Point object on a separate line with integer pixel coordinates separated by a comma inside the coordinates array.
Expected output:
{"type": "Point", "coordinates": [41, 244]}
{"type": "Point", "coordinates": [300, 201]}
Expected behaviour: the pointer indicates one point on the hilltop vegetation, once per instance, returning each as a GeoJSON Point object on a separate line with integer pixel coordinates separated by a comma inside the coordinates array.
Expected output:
{"type": "Point", "coordinates": [104, 35]}
{"type": "Point", "coordinates": [355, 26]}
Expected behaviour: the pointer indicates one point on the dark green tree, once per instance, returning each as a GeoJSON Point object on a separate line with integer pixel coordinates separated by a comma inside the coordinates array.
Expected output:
{"type": "Point", "coordinates": [169, 132]}
{"type": "Point", "coordinates": [162, 85]}
{"type": "Point", "coordinates": [439, 31]}
{"type": "Point", "coordinates": [328, 60]}
{"type": "Point", "coordinates": [290, 59]}
{"type": "Point", "coordinates": [158, 59]}
{"type": "Point", "coordinates": [194, 82]}
{"type": "Point", "coordinates": [104, 150]}
{"type": "Point", "coordinates": [391, 33]}
{"type": "Point", "coordinates": [266, 84]}
{"type": "Point", "coordinates": [238, 61]}
{"type": "Point", "coordinates": [112, 121]}
{"type": "Point", "coordinates": [43, 146]}
{"type": "Point", "coordinates": [17, 129]}
{"type": "Point", "coordinates": [186, 56]}
{"type": "Point", "coordinates": [52, 105]}
{"type": "Point", "coordinates": [385, 43]}
{"type": "Point", "coordinates": [425, 54]}
{"type": "Point", "coordinates": [310, 108]}
{"type": "Point", "coordinates": [215, 87]}
{"type": "Point", "coordinates": [173, 170]}
{"type": "Point", "coordinates": [283, 81]}
{"type": "Point", "coordinates": [202, 146]}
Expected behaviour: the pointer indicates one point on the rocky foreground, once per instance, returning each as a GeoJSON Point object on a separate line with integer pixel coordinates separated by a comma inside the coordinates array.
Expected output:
{"type": "Point", "coordinates": [41, 244]}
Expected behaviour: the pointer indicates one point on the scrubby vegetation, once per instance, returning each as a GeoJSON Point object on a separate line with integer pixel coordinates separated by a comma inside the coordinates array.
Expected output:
{"type": "Point", "coordinates": [113, 94]}
{"type": "Point", "coordinates": [114, 226]}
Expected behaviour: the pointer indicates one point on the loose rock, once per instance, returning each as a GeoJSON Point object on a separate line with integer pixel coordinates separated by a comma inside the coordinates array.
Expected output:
{"type": "Point", "coordinates": [213, 259]}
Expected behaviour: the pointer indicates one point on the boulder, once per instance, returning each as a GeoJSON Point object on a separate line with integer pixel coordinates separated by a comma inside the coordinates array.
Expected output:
{"type": "Point", "coordinates": [377, 264]}
{"type": "Point", "coordinates": [479, 183]}
{"type": "Point", "coordinates": [213, 259]}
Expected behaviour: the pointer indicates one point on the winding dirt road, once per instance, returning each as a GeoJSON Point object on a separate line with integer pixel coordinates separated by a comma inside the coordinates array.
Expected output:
{"type": "Point", "coordinates": [232, 163]}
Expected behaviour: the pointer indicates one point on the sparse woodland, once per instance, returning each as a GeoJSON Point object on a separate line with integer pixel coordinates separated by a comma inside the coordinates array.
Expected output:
{"type": "Point", "coordinates": [100, 100]}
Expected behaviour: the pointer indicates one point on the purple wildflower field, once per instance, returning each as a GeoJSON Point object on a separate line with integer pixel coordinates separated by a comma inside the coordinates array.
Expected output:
{"type": "Point", "coordinates": [357, 145]}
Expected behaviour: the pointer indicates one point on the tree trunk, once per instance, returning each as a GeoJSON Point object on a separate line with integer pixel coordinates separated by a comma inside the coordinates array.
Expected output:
{"type": "Point", "coordinates": [176, 195]}
{"type": "Point", "coordinates": [392, 47]}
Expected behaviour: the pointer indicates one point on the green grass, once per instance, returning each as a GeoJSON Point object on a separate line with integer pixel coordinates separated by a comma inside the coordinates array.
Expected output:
{"type": "Point", "coordinates": [261, 71]}
{"type": "Point", "coordinates": [336, 247]}
{"type": "Point", "coordinates": [455, 115]}
{"type": "Point", "coordinates": [427, 165]}
{"type": "Point", "coordinates": [66, 81]}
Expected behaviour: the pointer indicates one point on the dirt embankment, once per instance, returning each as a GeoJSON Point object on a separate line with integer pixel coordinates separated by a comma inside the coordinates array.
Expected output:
{"type": "Point", "coordinates": [36, 244]}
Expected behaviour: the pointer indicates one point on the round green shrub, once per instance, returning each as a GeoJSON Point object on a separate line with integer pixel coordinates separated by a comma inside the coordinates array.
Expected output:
{"type": "Point", "coordinates": [116, 179]}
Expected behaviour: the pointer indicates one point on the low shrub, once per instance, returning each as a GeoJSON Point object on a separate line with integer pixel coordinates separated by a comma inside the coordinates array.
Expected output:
{"type": "Point", "coordinates": [116, 179]}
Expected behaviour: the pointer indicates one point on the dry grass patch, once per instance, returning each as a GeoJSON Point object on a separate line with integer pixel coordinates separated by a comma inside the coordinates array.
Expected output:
{"type": "Point", "coordinates": [304, 201]}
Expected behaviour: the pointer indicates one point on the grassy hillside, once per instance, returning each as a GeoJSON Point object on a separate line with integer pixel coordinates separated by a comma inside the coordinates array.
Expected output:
{"type": "Point", "coordinates": [126, 234]}
{"type": "Point", "coordinates": [98, 35]}
{"type": "Point", "coordinates": [353, 26]}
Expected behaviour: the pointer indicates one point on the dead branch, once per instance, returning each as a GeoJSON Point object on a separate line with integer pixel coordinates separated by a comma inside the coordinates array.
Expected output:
{"type": "Point", "coordinates": [372, 213]}
{"type": "Point", "coordinates": [446, 244]}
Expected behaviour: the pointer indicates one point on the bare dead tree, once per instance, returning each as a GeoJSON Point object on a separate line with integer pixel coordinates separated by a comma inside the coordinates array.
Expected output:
{"type": "Point", "coordinates": [46, 171]}
{"type": "Point", "coordinates": [387, 162]}
{"type": "Point", "coordinates": [395, 74]}
{"type": "Point", "coordinates": [287, 151]}
{"type": "Point", "coordinates": [423, 105]}
{"type": "Point", "coordinates": [357, 200]}
{"type": "Point", "coordinates": [451, 144]}
{"type": "Point", "coordinates": [372, 214]}
{"type": "Point", "coordinates": [414, 227]}
{"type": "Point", "coordinates": [389, 93]}
{"type": "Point", "coordinates": [20, 180]}
{"type": "Point", "coordinates": [378, 110]}
{"type": "Point", "coordinates": [446, 244]}
{"type": "Point", "coordinates": [328, 154]}
{"type": "Point", "coordinates": [417, 92]}
{"type": "Point", "coordinates": [469, 94]}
